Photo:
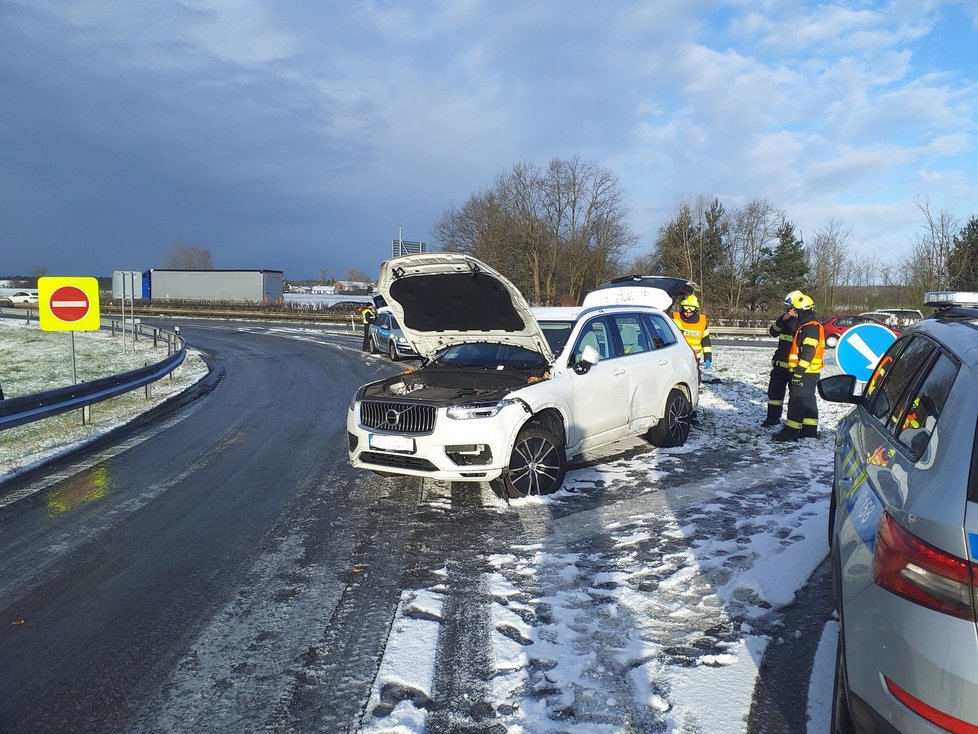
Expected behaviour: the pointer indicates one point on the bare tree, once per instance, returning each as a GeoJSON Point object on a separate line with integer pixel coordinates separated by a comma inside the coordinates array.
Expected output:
{"type": "Point", "coordinates": [646, 263]}
{"type": "Point", "coordinates": [752, 232]}
{"type": "Point", "coordinates": [357, 276]}
{"type": "Point", "coordinates": [531, 243]}
{"type": "Point", "coordinates": [482, 228]}
{"type": "Point", "coordinates": [586, 213]}
{"type": "Point", "coordinates": [187, 257]}
{"type": "Point", "coordinates": [675, 245]}
{"type": "Point", "coordinates": [926, 262]}
{"type": "Point", "coordinates": [691, 244]}
{"type": "Point", "coordinates": [555, 233]}
{"type": "Point", "coordinates": [828, 259]}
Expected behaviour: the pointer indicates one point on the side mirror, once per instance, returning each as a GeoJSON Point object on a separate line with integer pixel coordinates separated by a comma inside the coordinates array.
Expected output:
{"type": "Point", "coordinates": [838, 389]}
{"type": "Point", "coordinates": [589, 358]}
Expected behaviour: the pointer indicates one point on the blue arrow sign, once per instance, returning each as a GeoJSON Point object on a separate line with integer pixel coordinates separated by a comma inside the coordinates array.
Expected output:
{"type": "Point", "coordinates": [861, 347]}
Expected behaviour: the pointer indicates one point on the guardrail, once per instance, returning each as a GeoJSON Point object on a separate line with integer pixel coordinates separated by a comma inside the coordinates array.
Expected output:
{"type": "Point", "coordinates": [27, 408]}
{"type": "Point", "coordinates": [720, 330]}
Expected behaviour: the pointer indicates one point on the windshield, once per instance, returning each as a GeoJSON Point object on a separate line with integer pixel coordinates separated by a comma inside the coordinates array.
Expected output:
{"type": "Point", "coordinates": [491, 357]}
{"type": "Point", "coordinates": [556, 333]}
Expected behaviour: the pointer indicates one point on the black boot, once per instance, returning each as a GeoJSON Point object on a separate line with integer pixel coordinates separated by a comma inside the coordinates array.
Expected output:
{"type": "Point", "coordinates": [785, 434]}
{"type": "Point", "coordinates": [808, 432]}
{"type": "Point", "coordinates": [773, 416]}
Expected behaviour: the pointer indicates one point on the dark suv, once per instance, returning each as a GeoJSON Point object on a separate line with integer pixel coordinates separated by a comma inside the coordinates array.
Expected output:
{"type": "Point", "coordinates": [903, 530]}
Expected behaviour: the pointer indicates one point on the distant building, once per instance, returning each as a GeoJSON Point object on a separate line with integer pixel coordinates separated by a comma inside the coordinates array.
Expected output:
{"type": "Point", "coordinates": [353, 286]}
{"type": "Point", "coordinates": [326, 290]}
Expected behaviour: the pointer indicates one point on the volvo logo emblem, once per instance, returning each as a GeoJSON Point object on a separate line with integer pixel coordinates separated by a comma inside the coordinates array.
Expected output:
{"type": "Point", "coordinates": [391, 417]}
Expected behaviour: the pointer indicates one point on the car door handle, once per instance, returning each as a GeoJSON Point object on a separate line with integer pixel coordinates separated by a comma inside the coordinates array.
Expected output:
{"type": "Point", "coordinates": [662, 362]}
{"type": "Point", "coordinates": [618, 371]}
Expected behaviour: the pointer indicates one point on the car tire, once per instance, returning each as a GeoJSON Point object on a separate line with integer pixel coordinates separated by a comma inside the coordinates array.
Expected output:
{"type": "Point", "coordinates": [537, 465]}
{"type": "Point", "coordinates": [673, 429]}
{"type": "Point", "coordinates": [841, 721]}
{"type": "Point", "coordinates": [392, 351]}
{"type": "Point", "coordinates": [831, 341]}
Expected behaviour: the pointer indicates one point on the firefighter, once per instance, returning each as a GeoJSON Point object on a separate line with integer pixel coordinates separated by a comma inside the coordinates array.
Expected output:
{"type": "Point", "coordinates": [784, 329]}
{"type": "Point", "coordinates": [805, 363]}
{"type": "Point", "coordinates": [368, 315]}
{"type": "Point", "coordinates": [693, 324]}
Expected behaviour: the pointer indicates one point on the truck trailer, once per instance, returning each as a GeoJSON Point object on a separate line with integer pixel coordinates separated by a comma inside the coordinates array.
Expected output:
{"type": "Point", "coordinates": [261, 286]}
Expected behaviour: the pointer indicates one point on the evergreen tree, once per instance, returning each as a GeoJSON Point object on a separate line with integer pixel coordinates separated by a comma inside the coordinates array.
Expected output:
{"type": "Point", "coordinates": [963, 258]}
{"type": "Point", "coordinates": [690, 245]}
{"type": "Point", "coordinates": [787, 266]}
{"type": "Point", "coordinates": [711, 248]}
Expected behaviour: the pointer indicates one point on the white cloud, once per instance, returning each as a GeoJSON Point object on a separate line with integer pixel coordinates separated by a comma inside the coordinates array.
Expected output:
{"type": "Point", "coordinates": [245, 122]}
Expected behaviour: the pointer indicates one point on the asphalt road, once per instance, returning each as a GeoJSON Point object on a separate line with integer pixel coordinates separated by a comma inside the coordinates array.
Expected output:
{"type": "Point", "coordinates": [101, 597]}
{"type": "Point", "coordinates": [232, 573]}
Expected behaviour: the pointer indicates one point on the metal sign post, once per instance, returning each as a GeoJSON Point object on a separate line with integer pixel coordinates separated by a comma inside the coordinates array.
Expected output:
{"type": "Point", "coordinates": [126, 284]}
{"type": "Point", "coordinates": [69, 304]}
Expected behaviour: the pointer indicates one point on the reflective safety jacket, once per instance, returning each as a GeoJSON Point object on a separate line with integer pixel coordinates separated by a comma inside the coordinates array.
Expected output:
{"type": "Point", "coordinates": [807, 348]}
{"type": "Point", "coordinates": [784, 330]}
{"type": "Point", "coordinates": [697, 333]}
{"type": "Point", "coordinates": [368, 315]}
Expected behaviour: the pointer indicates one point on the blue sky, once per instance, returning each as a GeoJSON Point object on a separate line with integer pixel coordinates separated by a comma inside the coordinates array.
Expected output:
{"type": "Point", "coordinates": [304, 135]}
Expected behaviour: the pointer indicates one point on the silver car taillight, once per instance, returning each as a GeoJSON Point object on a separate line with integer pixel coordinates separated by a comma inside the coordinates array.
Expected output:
{"type": "Point", "coordinates": [922, 573]}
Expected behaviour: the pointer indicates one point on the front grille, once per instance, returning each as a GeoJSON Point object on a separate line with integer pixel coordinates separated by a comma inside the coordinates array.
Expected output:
{"type": "Point", "coordinates": [406, 418]}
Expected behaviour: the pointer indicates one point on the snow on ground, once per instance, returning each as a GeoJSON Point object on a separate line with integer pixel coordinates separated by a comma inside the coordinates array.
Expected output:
{"type": "Point", "coordinates": [660, 625]}
{"type": "Point", "coordinates": [32, 361]}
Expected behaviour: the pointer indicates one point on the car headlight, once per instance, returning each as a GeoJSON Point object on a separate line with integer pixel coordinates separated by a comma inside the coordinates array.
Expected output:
{"type": "Point", "coordinates": [478, 409]}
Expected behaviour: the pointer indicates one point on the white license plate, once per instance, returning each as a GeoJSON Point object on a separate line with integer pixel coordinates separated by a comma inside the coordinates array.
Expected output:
{"type": "Point", "coordinates": [400, 444]}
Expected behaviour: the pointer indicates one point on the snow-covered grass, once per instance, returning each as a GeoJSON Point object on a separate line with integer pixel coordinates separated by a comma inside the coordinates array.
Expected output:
{"type": "Point", "coordinates": [32, 361]}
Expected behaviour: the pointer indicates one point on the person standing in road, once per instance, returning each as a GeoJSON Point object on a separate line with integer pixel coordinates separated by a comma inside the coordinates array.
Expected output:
{"type": "Point", "coordinates": [368, 315]}
{"type": "Point", "coordinates": [805, 364]}
{"type": "Point", "coordinates": [784, 330]}
{"type": "Point", "coordinates": [693, 323]}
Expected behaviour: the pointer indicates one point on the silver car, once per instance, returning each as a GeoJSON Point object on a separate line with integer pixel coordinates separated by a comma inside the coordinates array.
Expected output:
{"type": "Point", "coordinates": [386, 337]}
{"type": "Point", "coordinates": [903, 530]}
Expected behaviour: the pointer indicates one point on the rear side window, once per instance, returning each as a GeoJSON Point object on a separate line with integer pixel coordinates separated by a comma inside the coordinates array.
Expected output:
{"type": "Point", "coordinates": [633, 339]}
{"type": "Point", "coordinates": [660, 334]}
{"type": "Point", "coordinates": [925, 405]}
{"type": "Point", "coordinates": [893, 375]}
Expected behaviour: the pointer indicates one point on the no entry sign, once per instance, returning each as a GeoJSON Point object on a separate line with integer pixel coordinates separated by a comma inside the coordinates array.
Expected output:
{"type": "Point", "coordinates": [68, 304]}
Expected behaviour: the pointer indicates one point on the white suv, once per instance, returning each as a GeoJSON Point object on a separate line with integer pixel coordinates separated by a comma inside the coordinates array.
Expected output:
{"type": "Point", "coordinates": [23, 298]}
{"type": "Point", "coordinates": [507, 395]}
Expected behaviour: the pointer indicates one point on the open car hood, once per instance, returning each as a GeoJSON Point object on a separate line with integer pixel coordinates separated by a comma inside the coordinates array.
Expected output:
{"type": "Point", "coordinates": [447, 298]}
